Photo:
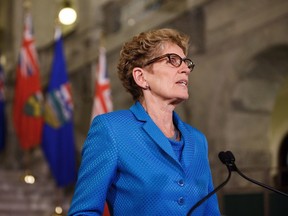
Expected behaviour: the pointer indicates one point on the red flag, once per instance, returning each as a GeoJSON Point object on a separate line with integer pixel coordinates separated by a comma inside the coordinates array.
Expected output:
{"type": "Point", "coordinates": [106, 210]}
{"type": "Point", "coordinates": [27, 107]}
{"type": "Point", "coordinates": [102, 98]}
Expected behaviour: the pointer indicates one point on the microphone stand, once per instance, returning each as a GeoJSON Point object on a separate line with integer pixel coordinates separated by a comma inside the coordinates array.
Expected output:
{"type": "Point", "coordinates": [230, 157]}
{"type": "Point", "coordinates": [223, 157]}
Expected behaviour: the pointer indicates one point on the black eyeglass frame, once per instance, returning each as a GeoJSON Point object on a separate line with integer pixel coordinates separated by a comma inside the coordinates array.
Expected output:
{"type": "Point", "coordinates": [190, 64]}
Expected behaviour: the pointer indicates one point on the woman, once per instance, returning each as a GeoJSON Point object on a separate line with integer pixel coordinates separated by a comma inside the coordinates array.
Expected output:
{"type": "Point", "coordinates": [146, 160]}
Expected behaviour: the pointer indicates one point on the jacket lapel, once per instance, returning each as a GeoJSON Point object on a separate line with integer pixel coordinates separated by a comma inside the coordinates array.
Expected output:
{"type": "Point", "coordinates": [157, 135]}
{"type": "Point", "coordinates": [152, 130]}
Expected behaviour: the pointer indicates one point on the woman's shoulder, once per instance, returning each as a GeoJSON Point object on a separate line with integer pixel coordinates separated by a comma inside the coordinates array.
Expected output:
{"type": "Point", "coordinates": [118, 121]}
{"type": "Point", "coordinates": [114, 116]}
{"type": "Point", "coordinates": [117, 113]}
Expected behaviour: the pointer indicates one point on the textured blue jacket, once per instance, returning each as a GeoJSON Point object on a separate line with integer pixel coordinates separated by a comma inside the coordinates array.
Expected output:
{"type": "Point", "coordinates": [129, 162]}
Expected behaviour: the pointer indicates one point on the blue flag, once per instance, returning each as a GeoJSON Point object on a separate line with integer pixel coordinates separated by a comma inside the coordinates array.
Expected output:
{"type": "Point", "coordinates": [2, 110]}
{"type": "Point", "coordinates": [58, 137]}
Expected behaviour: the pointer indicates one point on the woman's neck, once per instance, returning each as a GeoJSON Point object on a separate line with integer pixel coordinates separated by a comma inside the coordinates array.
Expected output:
{"type": "Point", "coordinates": [162, 115]}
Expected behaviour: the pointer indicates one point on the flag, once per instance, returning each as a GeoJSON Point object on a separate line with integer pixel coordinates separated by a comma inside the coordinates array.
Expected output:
{"type": "Point", "coordinates": [2, 110]}
{"type": "Point", "coordinates": [102, 97]}
{"type": "Point", "coordinates": [27, 106]}
{"type": "Point", "coordinates": [58, 136]}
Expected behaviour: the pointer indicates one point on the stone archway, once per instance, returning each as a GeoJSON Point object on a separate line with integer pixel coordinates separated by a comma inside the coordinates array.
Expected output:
{"type": "Point", "coordinates": [283, 163]}
{"type": "Point", "coordinates": [248, 128]}
{"type": "Point", "coordinates": [279, 136]}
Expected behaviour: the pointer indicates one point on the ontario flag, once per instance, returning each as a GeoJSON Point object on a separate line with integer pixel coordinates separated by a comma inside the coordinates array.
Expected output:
{"type": "Point", "coordinates": [58, 135]}
{"type": "Point", "coordinates": [27, 106]}
{"type": "Point", "coordinates": [2, 110]}
{"type": "Point", "coordinates": [102, 97]}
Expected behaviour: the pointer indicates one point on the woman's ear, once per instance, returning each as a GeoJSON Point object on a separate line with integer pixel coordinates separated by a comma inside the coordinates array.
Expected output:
{"type": "Point", "coordinates": [138, 75]}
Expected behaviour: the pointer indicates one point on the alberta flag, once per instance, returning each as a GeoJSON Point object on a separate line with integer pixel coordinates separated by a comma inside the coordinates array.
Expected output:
{"type": "Point", "coordinates": [2, 110]}
{"type": "Point", "coordinates": [58, 137]}
{"type": "Point", "coordinates": [27, 106]}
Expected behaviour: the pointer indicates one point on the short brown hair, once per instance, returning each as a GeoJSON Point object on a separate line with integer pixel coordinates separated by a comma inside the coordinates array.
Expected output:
{"type": "Point", "coordinates": [142, 48]}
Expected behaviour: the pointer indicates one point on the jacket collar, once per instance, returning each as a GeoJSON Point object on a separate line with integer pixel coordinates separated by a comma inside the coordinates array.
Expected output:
{"type": "Point", "coordinates": [157, 135]}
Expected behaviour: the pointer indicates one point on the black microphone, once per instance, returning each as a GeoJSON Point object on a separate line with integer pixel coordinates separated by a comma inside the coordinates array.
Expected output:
{"type": "Point", "coordinates": [226, 160]}
{"type": "Point", "coordinates": [229, 161]}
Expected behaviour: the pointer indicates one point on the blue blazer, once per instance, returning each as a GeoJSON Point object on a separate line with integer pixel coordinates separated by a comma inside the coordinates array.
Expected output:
{"type": "Point", "coordinates": [128, 162]}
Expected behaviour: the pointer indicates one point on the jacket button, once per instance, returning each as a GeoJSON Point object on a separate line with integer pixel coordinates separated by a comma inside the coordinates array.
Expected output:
{"type": "Point", "coordinates": [181, 200]}
{"type": "Point", "coordinates": [181, 182]}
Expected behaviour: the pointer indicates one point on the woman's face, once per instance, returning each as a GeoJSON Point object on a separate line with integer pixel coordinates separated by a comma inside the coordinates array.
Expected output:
{"type": "Point", "coordinates": [167, 82]}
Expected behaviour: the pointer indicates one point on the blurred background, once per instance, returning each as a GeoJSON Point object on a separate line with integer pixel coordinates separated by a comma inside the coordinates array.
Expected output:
{"type": "Point", "coordinates": [238, 92]}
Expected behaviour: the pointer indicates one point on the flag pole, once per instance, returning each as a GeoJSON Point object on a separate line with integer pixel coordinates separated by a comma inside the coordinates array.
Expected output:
{"type": "Point", "coordinates": [99, 78]}
{"type": "Point", "coordinates": [58, 210]}
{"type": "Point", "coordinates": [59, 199]}
{"type": "Point", "coordinates": [58, 142]}
{"type": "Point", "coordinates": [28, 177]}
{"type": "Point", "coordinates": [102, 39]}
{"type": "Point", "coordinates": [27, 6]}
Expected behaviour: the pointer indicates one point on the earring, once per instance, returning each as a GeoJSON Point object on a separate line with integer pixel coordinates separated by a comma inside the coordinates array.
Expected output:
{"type": "Point", "coordinates": [147, 86]}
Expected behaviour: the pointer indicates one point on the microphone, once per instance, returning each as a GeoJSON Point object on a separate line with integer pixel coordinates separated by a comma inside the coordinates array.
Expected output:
{"type": "Point", "coordinates": [226, 160]}
{"type": "Point", "coordinates": [229, 161]}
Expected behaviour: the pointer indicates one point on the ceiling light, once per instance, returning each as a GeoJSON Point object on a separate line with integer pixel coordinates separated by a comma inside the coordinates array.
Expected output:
{"type": "Point", "coordinates": [67, 14]}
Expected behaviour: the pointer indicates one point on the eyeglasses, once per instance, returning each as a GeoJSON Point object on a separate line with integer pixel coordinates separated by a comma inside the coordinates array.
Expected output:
{"type": "Point", "coordinates": [174, 60]}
